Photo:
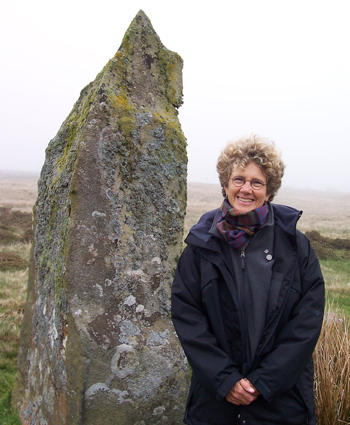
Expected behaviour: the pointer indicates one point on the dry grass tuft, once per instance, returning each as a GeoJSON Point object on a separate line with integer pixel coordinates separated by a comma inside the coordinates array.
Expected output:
{"type": "Point", "coordinates": [13, 287]}
{"type": "Point", "coordinates": [332, 371]}
{"type": "Point", "coordinates": [15, 226]}
{"type": "Point", "coordinates": [8, 237]}
{"type": "Point", "coordinates": [328, 248]}
{"type": "Point", "coordinates": [10, 261]}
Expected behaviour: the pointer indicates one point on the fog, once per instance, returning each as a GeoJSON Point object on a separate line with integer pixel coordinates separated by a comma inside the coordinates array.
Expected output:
{"type": "Point", "coordinates": [278, 69]}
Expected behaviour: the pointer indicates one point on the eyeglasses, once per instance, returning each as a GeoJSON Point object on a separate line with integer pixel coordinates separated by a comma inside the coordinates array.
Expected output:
{"type": "Point", "coordinates": [254, 184]}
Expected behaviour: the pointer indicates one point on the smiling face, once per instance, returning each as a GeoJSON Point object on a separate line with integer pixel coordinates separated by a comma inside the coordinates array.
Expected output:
{"type": "Point", "coordinates": [245, 199]}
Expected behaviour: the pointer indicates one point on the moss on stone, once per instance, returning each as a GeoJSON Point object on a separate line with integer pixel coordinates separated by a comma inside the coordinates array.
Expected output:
{"type": "Point", "coordinates": [125, 112]}
{"type": "Point", "coordinates": [167, 63]}
{"type": "Point", "coordinates": [109, 220]}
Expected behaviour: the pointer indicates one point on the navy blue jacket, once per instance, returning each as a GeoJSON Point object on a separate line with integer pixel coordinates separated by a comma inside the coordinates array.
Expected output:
{"type": "Point", "coordinates": [208, 318]}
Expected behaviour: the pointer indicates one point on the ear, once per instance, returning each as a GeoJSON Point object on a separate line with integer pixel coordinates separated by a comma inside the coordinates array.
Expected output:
{"type": "Point", "coordinates": [267, 198]}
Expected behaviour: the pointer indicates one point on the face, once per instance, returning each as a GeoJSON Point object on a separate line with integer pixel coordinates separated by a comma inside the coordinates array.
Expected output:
{"type": "Point", "coordinates": [245, 199]}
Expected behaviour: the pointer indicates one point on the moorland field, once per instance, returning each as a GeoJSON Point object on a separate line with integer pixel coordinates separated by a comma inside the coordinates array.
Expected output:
{"type": "Point", "coordinates": [326, 212]}
{"type": "Point", "coordinates": [325, 220]}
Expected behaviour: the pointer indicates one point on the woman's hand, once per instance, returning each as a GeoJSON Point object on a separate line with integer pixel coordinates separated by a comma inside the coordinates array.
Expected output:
{"type": "Point", "coordinates": [242, 393]}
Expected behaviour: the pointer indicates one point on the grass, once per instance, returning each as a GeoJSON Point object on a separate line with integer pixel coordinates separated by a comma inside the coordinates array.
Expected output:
{"type": "Point", "coordinates": [332, 370]}
{"type": "Point", "coordinates": [336, 274]}
{"type": "Point", "coordinates": [15, 233]}
{"type": "Point", "coordinates": [12, 298]}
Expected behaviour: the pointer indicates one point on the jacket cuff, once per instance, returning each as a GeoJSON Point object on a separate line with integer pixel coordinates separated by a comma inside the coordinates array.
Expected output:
{"type": "Point", "coordinates": [229, 382]}
{"type": "Point", "coordinates": [261, 386]}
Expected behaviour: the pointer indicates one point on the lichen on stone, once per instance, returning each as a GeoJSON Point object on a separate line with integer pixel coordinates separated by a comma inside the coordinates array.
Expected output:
{"type": "Point", "coordinates": [96, 340]}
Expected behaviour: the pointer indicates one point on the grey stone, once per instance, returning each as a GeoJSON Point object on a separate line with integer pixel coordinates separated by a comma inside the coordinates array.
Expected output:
{"type": "Point", "coordinates": [97, 345]}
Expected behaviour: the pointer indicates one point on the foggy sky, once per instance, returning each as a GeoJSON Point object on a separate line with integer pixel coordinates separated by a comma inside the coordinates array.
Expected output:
{"type": "Point", "coordinates": [277, 68]}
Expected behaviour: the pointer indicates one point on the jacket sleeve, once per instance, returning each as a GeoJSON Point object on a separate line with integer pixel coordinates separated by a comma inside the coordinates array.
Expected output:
{"type": "Point", "coordinates": [293, 346]}
{"type": "Point", "coordinates": [211, 366]}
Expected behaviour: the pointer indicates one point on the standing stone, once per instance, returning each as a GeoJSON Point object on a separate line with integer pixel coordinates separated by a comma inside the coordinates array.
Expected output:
{"type": "Point", "coordinates": [97, 345]}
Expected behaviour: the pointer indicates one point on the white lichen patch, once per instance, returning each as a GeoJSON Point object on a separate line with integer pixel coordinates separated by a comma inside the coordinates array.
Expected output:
{"type": "Point", "coordinates": [124, 362]}
{"type": "Point", "coordinates": [139, 274]}
{"type": "Point", "coordinates": [52, 331]}
{"type": "Point", "coordinates": [158, 410]}
{"type": "Point", "coordinates": [97, 214]}
{"type": "Point", "coordinates": [100, 289]}
{"type": "Point", "coordinates": [130, 300]}
{"type": "Point", "coordinates": [91, 391]}
{"type": "Point", "coordinates": [94, 254]}
{"type": "Point", "coordinates": [128, 332]}
{"type": "Point", "coordinates": [129, 329]}
{"type": "Point", "coordinates": [156, 260]}
{"type": "Point", "coordinates": [140, 308]}
{"type": "Point", "coordinates": [158, 338]}
{"type": "Point", "coordinates": [64, 342]}
{"type": "Point", "coordinates": [121, 396]}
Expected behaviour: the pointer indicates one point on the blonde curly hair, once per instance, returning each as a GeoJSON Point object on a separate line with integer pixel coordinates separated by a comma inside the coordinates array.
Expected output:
{"type": "Point", "coordinates": [258, 150]}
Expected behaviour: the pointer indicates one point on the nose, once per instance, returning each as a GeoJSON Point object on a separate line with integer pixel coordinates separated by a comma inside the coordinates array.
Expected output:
{"type": "Point", "coordinates": [246, 187]}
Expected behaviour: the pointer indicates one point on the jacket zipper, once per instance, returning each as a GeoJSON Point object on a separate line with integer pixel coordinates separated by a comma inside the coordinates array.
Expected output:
{"type": "Point", "coordinates": [244, 322]}
{"type": "Point", "coordinates": [241, 306]}
{"type": "Point", "coordinates": [243, 259]}
{"type": "Point", "coordinates": [272, 331]}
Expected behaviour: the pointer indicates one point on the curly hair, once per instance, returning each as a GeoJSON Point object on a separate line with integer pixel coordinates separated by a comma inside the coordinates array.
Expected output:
{"type": "Point", "coordinates": [258, 150]}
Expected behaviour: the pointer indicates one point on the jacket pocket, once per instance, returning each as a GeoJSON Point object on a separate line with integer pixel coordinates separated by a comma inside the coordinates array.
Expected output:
{"type": "Point", "coordinates": [295, 292]}
{"type": "Point", "coordinates": [288, 408]}
{"type": "Point", "coordinates": [293, 300]}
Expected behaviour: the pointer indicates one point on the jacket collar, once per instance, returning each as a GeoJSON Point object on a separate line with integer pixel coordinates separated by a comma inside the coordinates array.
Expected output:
{"type": "Point", "coordinates": [285, 217]}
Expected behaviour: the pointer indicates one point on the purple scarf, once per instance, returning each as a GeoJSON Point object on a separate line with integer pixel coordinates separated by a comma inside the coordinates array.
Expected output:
{"type": "Point", "coordinates": [238, 227]}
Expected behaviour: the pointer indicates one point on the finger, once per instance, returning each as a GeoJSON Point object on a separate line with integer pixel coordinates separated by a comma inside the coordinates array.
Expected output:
{"type": "Point", "coordinates": [247, 386]}
{"type": "Point", "coordinates": [242, 397]}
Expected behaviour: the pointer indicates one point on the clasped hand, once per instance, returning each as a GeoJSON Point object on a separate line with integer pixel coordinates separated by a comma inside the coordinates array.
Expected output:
{"type": "Point", "coordinates": [242, 393]}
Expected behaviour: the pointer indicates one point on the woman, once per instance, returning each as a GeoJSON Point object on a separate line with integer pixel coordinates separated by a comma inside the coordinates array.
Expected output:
{"type": "Point", "coordinates": [248, 299]}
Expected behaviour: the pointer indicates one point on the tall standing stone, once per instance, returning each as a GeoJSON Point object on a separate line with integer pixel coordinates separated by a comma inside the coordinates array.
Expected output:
{"type": "Point", "coordinates": [97, 345]}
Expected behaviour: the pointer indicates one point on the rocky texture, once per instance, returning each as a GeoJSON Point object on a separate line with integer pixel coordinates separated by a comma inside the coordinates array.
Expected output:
{"type": "Point", "coordinates": [97, 345]}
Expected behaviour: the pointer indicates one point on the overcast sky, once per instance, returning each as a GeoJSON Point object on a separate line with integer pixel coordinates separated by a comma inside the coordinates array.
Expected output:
{"type": "Point", "coordinates": [273, 67]}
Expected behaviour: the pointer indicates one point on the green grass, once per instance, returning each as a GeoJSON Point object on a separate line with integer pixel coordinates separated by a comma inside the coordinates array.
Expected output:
{"type": "Point", "coordinates": [337, 278]}
{"type": "Point", "coordinates": [12, 298]}
{"type": "Point", "coordinates": [13, 285]}
{"type": "Point", "coordinates": [341, 299]}
{"type": "Point", "coordinates": [7, 416]}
